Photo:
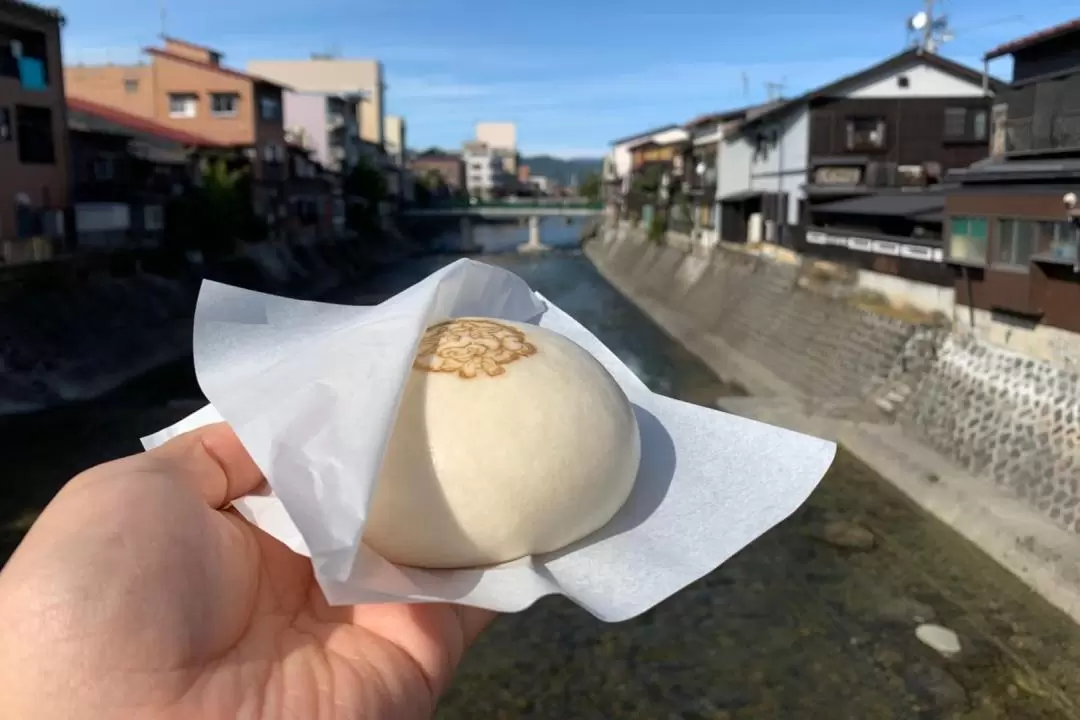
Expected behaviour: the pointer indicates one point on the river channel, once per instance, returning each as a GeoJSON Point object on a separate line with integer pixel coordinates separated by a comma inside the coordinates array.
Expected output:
{"type": "Point", "coordinates": [799, 625]}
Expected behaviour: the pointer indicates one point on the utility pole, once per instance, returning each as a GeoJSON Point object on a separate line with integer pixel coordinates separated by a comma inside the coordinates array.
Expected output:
{"type": "Point", "coordinates": [775, 91]}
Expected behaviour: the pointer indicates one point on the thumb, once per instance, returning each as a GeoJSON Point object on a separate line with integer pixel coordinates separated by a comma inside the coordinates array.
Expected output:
{"type": "Point", "coordinates": [213, 461]}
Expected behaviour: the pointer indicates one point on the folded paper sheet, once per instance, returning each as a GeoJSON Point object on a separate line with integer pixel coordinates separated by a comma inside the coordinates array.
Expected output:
{"type": "Point", "coordinates": [312, 391]}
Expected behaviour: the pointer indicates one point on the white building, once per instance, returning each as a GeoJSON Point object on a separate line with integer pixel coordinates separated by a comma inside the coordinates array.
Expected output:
{"type": "Point", "coordinates": [618, 164]}
{"type": "Point", "coordinates": [765, 164]}
{"type": "Point", "coordinates": [484, 172]}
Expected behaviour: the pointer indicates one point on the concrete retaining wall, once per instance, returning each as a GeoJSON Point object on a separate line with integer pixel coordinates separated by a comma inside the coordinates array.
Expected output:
{"type": "Point", "coordinates": [1008, 419]}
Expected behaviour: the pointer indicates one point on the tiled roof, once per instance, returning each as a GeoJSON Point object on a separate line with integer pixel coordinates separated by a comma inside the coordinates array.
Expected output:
{"type": "Point", "coordinates": [188, 43]}
{"type": "Point", "coordinates": [134, 123]}
{"type": "Point", "coordinates": [1033, 39]}
{"type": "Point", "coordinates": [158, 52]}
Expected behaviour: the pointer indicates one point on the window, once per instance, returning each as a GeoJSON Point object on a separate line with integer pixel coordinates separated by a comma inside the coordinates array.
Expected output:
{"type": "Point", "coordinates": [968, 239]}
{"type": "Point", "coordinates": [980, 125]}
{"type": "Point", "coordinates": [865, 134]}
{"type": "Point", "coordinates": [183, 105]}
{"type": "Point", "coordinates": [131, 86]}
{"type": "Point", "coordinates": [103, 168]}
{"type": "Point", "coordinates": [1016, 242]}
{"type": "Point", "coordinates": [955, 123]}
{"type": "Point", "coordinates": [224, 104]}
{"type": "Point", "coordinates": [5, 125]}
{"type": "Point", "coordinates": [903, 81]}
{"type": "Point", "coordinates": [1057, 239]}
{"type": "Point", "coordinates": [269, 108]}
{"type": "Point", "coordinates": [35, 135]}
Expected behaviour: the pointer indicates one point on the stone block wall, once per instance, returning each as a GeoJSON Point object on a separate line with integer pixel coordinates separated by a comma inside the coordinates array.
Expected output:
{"type": "Point", "coordinates": [1011, 419]}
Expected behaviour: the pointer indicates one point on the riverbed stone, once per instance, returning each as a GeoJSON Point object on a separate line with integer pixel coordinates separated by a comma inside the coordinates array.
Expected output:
{"type": "Point", "coordinates": [848, 535]}
{"type": "Point", "coordinates": [939, 638]}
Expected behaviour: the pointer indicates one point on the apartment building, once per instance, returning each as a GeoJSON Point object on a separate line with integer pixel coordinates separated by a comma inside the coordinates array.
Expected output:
{"type": "Point", "coordinates": [485, 175]}
{"type": "Point", "coordinates": [184, 86]}
{"type": "Point", "coordinates": [449, 169]}
{"type": "Point", "coordinates": [34, 150]}
{"type": "Point", "coordinates": [326, 125]}
{"type": "Point", "coordinates": [359, 79]}
{"type": "Point", "coordinates": [501, 138]}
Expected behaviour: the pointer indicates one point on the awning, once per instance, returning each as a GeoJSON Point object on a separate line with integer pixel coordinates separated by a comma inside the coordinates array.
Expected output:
{"type": "Point", "coordinates": [895, 205]}
{"type": "Point", "coordinates": [742, 195]}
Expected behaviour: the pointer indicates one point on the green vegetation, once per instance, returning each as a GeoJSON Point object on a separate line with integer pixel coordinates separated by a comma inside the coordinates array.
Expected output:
{"type": "Point", "coordinates": [217, 215]}
{"type": "Point", "coordinates": [590, 188]}
{"type": "Point", "coordinates": [365, 189]}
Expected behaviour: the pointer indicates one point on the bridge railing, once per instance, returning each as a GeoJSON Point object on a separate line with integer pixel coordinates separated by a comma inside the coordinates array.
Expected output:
{"type": "Point", "coordinates": [520, 205]}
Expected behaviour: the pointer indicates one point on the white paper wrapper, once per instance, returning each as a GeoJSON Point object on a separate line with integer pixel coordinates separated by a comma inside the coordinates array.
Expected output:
{"type": "Point", "coordinates": [312, 391]}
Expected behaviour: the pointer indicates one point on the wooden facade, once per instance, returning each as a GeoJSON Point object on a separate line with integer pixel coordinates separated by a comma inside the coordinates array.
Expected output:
{"type": "Point", "coordinates": [1037, 282]}
{"type": "Point", "coordinates": [1010, 240]}
{"type": "Point", "coordinates": [887, 139]}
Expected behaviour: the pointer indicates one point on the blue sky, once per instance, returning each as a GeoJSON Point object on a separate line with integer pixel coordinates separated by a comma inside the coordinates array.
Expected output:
{"type": "Point", "coordinates": [573, 74]}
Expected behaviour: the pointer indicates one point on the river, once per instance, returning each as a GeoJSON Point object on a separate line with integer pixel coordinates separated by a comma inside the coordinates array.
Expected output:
{"type": "Point", "coordinates": [798, 625]}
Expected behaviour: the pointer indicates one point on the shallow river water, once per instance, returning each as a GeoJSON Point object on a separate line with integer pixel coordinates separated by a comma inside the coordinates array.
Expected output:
{"type": "Point", "coordinates": [799, 625]}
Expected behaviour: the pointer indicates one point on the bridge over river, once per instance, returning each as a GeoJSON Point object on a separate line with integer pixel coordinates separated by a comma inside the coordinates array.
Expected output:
{"type": "Point", "coordinates": [817, 619]}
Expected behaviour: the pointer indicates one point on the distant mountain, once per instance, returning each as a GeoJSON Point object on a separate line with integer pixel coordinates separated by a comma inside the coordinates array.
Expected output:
{"type": "Point", "coordinates": [562, 171]}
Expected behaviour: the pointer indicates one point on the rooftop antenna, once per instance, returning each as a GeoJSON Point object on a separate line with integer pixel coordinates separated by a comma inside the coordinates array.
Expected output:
{"type": "Point", "coordinates": [163, 11]}
{"type": "Point", "coordinates": [745, 86]}
{"type": "Point", "coordinates": [929, 29]}
{"type": "Point", "coordinates": [775, 90]}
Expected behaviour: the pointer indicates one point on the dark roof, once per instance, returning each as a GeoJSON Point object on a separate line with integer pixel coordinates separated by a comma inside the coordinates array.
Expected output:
{"type": "Point", "coordinates": [912, 204]}
{"type": "Point", "coordinates": [742, 195]}
{"type": "Point", "coordinates": [84, 115]}
{"type": "Point", "coordinates": [1018, 171]}
{"type": "Point", "coordinates": [727, 115]}
{"type": "Point", "coordinates": [896, 62]}
{"type": "Point", "coordinates": [647, 133]}
{"type": "Point", "coordinates": [49, 13]}
{"type": "Point", "coordinates": [158, 52]}
{"type": "Point", "coordinates": [1033, 39]}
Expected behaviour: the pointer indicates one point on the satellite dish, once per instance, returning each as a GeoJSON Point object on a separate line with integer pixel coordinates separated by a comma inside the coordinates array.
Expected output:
{"type": "Point", "coordinates": [918, 20]}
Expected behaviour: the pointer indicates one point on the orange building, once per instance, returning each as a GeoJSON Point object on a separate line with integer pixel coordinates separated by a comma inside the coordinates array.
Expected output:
{"type": "Point", "coordinates": [184, 86]}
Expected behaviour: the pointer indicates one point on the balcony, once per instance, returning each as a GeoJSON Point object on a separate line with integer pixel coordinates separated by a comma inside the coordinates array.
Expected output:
{"type": "Point", "coordinates": [1043, 133]}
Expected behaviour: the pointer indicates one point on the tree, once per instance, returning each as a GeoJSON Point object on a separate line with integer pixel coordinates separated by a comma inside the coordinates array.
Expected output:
{"type": "Point", "coordinates": [648, 182]}
{"type": "Point", "coordinates": [217, 214]}
{"type": "Point", "coordinates": [590, 188]}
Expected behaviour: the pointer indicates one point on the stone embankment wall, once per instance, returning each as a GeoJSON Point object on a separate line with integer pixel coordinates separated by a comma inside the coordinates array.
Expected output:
{"type": "Point", "coordinates": [68, 335]}
{"type": "Point", "coordinates": [1012, 420]}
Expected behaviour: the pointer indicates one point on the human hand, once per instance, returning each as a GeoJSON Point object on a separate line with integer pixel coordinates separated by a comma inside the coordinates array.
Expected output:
{"type": "Point", "coordinates": [135, 595]}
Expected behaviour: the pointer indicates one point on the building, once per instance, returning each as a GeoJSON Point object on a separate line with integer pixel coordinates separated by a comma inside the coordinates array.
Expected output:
{"type": "Point", "coordinates": [34, 147]}
{"type": "Point", "coordinates": [701, 157]}
{"type": "Point", "coordinates": [361, 79]}
{"type": "Point", "coordinates": [449, 169]}
{"type": "Point", "coordinates": [903, 122]}
{"type": "Point", "coordinates": [1011, 234]}
{"type": "Point", "coordinates": [396, 139]}
{"type": "Point", "coordinates": [618, 163]}
{"type": "Point", "coordinates": [186, 87]}
{"type": "Point", "coordinates": [325, 125]}
{"type": "Point", "coordinates": [124, 170]}
{"type": "Point", "coordinates": [656, 167]}
{"type": "Point", "coordinates": [485, 174]}
{"type": "Point", "coordinates": [501, 138]}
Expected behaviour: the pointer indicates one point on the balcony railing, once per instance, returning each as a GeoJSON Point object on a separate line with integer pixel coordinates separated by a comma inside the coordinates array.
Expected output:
{"type": "Point", "coordinates": [1057, 132]}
